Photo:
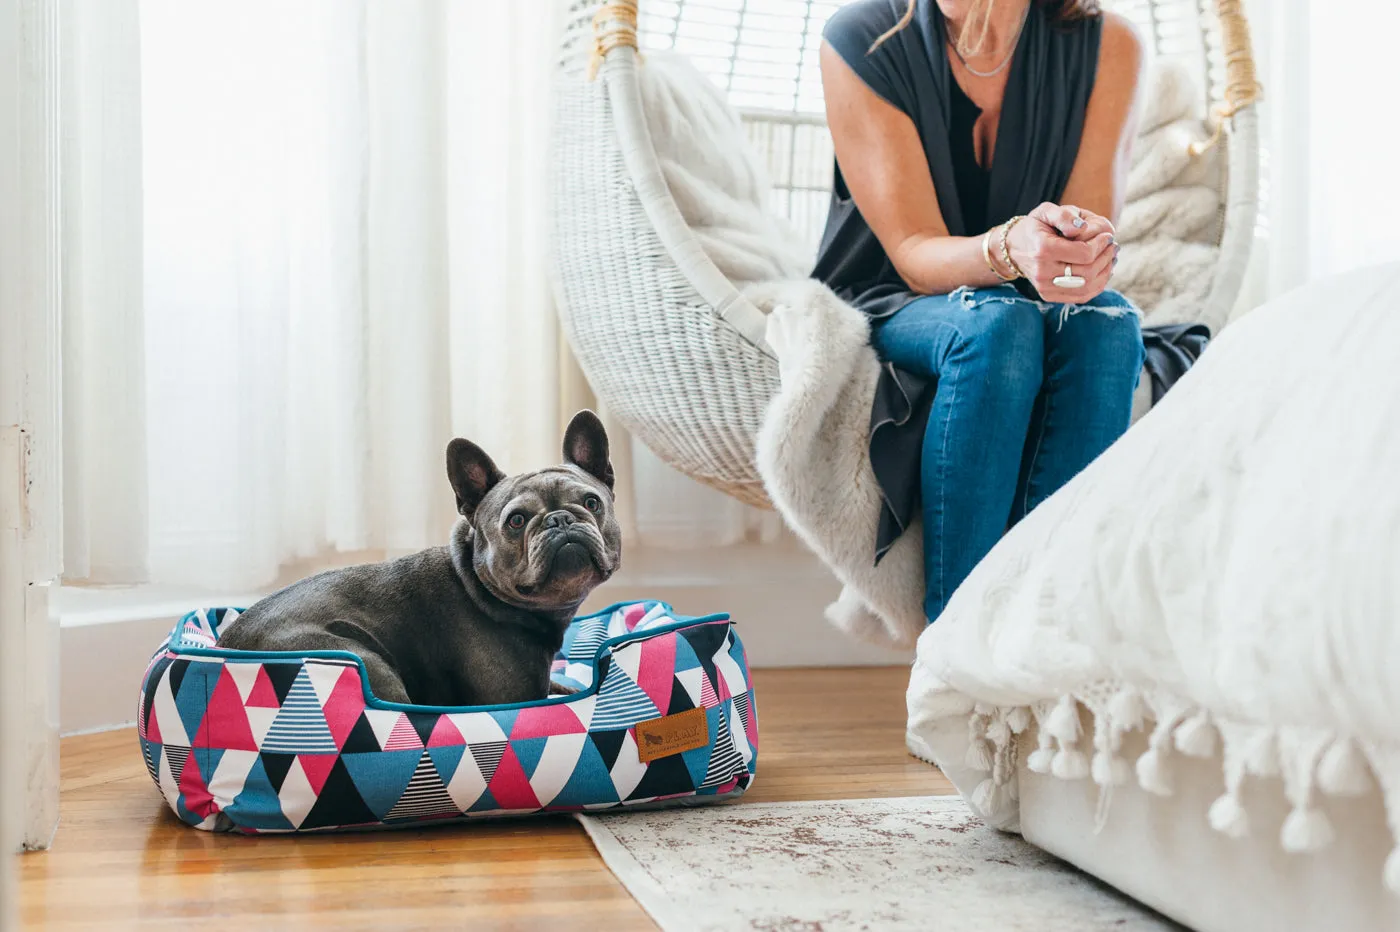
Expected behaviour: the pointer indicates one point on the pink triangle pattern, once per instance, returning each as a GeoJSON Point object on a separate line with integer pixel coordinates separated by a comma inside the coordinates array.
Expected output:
{"type": "Point", "coordinates": [541, 721]}
{"type": "Point", "coordinates": [403, 737]}
{"type": "Point", "coordinates": [656, 672]}
{"type": "Point", "coordinates": [344, 705]}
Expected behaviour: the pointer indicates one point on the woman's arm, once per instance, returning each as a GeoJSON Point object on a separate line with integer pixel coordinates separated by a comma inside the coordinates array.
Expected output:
{"type": "Point", "coordinates": [884, 166]}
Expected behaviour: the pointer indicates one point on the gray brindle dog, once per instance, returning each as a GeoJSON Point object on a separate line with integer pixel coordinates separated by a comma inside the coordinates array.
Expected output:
{"type": "Point", "coordinates": [476, 622]}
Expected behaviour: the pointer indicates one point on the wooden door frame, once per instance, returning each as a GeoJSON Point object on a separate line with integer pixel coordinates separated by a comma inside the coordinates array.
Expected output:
{"type": "Point", "coordinates": [30, 422]}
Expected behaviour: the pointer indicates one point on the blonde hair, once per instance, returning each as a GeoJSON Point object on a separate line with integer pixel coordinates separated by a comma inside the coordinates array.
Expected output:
{"type": "Point", "coordinates": [981, 14]}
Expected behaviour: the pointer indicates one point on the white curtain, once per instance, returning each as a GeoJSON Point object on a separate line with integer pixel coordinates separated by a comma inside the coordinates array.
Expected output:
{"type": "Point", "coordinates": [1328, 136]}
{"type": "Point", "coordinates": [327, 257]}
{"type": "Point", "coordinates": [344, 228]}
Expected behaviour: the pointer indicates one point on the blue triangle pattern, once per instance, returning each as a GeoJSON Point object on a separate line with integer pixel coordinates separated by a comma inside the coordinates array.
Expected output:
{"type": "Point", "coordinates": [685, 655]}
{"type": "Point", "coordinates": [589, 783]}
{"type": "Point", "coordinates": [381, 776]}
{"type": "Point", "coordinates": [446, 759]}
{"type": "Point", "coordinates": [300, 726]}
{"type": "Point", "coordinates": [208, 759]}
{"type": "Point", "coordinates": [528, 751]}
{"type": "Point", "coordinates": [256, 805]}
{"type": "Point", "coordinates": [195, 690]}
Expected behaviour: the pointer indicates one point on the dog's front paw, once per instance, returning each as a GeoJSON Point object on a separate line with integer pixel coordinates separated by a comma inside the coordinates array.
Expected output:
{"type": "Point", "coordinates": [559, 689]}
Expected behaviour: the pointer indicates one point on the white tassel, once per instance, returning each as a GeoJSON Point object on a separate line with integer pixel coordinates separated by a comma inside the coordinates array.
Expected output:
{"type": "Point", "coordinates": [1018, 719]}
{"type": "Point", "coordinates": [988, 798]}
{"type": "Point", "coordinates": [1306, 830]}
{"type": "Point", "coordinates": [1196, 736]}
{"type": "Point", "coordinates": [1261, 758]}
{"type": "Point", "coordinates": [1152, 773]}
{"type": "Point", "coordinates": [1063, 722]}
{"type": "Point", "coordinates": [979, 756]}
{"type": "Point", "coordinates": [1069, 764]}
{"type": "Point", "coordinates": [999, 733]}
{"type": "Point", "coordinates": [1125, 709]}
{"type": "Point", "coordinates": [1228, 816]}
{"type": "Point", "coordinates": [1108, 770]}
{"type": "Point", "coordinates": [1343, 771]}
{"type": "Point", "coordinates": [1041, 760]}
{"type": "Point", "coordinates": [1392, 872]}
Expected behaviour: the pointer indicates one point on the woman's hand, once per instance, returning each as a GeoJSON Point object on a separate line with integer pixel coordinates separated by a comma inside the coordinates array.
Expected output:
{"type": "Point", "coordinates": [1052, 237]}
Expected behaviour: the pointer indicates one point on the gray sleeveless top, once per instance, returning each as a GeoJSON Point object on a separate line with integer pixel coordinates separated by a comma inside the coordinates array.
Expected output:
{"type": "Point", "coordinates": [1042, 118]}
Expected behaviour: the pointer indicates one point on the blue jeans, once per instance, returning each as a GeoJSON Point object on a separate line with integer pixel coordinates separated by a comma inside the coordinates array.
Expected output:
{"type": "Point", "coordinates": [1028, 394]}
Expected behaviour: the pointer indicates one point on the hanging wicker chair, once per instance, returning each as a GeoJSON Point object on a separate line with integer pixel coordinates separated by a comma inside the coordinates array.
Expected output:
{"type": "Point", "coordinates": [669, 345]}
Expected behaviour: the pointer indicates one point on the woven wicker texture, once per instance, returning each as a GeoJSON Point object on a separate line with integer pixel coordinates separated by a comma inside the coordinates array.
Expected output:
{"type": "Point", "coordinates": [665, 341]}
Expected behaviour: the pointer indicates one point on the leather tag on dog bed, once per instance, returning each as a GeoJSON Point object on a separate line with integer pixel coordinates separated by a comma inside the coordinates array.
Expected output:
{"type": "Point", "coordinates": [672, 734]}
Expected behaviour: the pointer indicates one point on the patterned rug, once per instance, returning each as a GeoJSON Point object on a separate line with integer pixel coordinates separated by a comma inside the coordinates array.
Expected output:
{"type": "Point", "coordinates": [879, 864]}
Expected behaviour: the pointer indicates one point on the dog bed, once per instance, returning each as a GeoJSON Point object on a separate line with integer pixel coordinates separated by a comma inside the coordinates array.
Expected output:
{"type": "Point", "coordinates": [258, 742]}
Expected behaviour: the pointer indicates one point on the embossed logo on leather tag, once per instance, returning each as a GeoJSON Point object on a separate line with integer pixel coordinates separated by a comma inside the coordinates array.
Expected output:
{"type": "Point", "coordinates": [672, 734]}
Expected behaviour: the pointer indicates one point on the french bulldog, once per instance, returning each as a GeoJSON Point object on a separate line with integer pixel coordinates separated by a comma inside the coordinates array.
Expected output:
{"type": "Point", "coordinates": [476, 622]}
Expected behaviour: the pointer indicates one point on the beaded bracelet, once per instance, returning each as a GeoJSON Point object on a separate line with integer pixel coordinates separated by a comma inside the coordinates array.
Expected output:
{"type": "Point", "coordinates": [987, 257]}
{"type": "Point", "coordinates": [1005, 250]}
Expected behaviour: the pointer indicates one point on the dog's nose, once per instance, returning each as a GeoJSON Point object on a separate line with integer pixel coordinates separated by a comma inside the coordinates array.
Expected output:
{"type": "Point", "coordinates": [558, 519]}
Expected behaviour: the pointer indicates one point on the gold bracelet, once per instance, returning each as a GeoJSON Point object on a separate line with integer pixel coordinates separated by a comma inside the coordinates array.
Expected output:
{"type": "Point", "coordinates": [987, 257]}
{"type": "Point", "coordinates": [1005, 251]}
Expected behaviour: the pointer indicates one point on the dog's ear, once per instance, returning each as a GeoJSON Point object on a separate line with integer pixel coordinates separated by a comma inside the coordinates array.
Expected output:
{"type": "Point", "coordinates": [472, 474]}
{"type": "Point", "coordinates": [586, 446]}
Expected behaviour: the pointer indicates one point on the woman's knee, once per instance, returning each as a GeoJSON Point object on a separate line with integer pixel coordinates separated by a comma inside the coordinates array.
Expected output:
{"type": "Point", "coordinates": [1110, 336]}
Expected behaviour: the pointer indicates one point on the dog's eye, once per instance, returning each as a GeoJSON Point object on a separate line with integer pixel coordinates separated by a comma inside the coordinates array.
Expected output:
{"type": "Point", "coordinates": [516, 521]}
{"type": "Point", "coordinates": [593, 503]}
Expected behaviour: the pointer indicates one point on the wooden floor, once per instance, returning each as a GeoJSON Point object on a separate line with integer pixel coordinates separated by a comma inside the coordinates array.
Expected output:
{"type": "Point", "coordinates": [121, 860]}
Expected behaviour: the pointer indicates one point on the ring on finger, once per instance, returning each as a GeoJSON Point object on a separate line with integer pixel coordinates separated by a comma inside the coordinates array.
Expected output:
{"type": "Point", "coordinates": [1068, 281]}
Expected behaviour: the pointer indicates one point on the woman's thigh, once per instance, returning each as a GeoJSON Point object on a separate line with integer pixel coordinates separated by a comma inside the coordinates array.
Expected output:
{"type": "Point", "coordinates": [922, 335]}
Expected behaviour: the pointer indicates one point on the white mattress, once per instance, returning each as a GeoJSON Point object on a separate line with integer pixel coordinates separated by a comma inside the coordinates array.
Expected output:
{"type": "Point", "coordinates": [1160, 851]}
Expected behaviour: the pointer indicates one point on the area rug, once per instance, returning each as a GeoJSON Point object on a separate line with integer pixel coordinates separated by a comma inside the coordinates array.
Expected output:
{"type": "Point", "coordinates": [877, 864]}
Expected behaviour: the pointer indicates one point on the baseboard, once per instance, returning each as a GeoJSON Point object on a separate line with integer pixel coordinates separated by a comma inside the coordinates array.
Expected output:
{"type": "Point", "coordinates": [776, 596]}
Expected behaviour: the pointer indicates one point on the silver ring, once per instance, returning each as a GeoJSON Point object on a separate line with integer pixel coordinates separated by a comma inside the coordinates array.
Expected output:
{"type": "Point", "coordinates": [1068, 281]}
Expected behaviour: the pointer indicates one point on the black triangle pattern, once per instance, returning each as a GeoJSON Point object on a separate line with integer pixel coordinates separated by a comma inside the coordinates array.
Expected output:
{"type": "Point", "coordinates": [361, 739]}
{"type": "Point", "coordinates": [664, 776]}
{"type": "Point", "coordinates": [725, 759]}
{"type": "Point", "coordinates": [423, 723]}
{"type": "Point", "coordinates": [339, 802]}
{"type": "Point", "coordinates": [276, 766]}
{"type": "Point", "coordinates": [741, 706]}
{"type": "Point", "coordinates": [152, 755]}
{"type": "Point", "coordinates": [425, 796]}
{"type": "Point", "coordinates": [177, 757]}
{"type": "Point", "coordinates": [488, 756]}
{"type": "Point", "coordinates": [609, 744]}
{"type": "Point", "coordinates": [680, 698]}
{"type": "Point", "coordinates": [152, 682]}
{"type": "Point", "coordinates": [282, 675]}
{"type": "Point", "coordinates": [178, 668]}
{"type": "Point", "coordinates": [705, 640]}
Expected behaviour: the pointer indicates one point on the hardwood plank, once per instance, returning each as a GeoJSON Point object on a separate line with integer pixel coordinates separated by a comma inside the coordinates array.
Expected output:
{"type": "Point", "coordinates": [123, 861]}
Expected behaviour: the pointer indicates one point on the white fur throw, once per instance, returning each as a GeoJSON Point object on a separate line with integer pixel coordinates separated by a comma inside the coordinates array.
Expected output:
{"type": "Point", "coordinates": [813, 450]}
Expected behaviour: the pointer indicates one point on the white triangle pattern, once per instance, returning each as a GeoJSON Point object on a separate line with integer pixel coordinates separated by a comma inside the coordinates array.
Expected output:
{"type": "Point", "coordinates": [296, 795]}
{"type": "Point", "coordinates": [629, 658]}
{"type": "Point", "coordinates": [728, 668]}
{"type": "Point", "coordinates": [477, 727]}
{"type": "Point", "coordinates": [172, 729]}
{"type": "Point", "coordinates": [583, 708]}
{"type": "Point", "coordinates": [168, 787]}
{"type": "Point", "coordinates": [260, 722]}
{"type": "Point", "coordinates": [467, 783]}
{"type": "Point", "coordinates": [245, 677]}
{"type": "Point", "coordinates": [424, 796]}
{"type": "Point", "coordinates": [628, 770]}
{"type": "Point", "coordinates": [382, 721]}
{"type": "Point", "coordinates": [230, 775]}
{"type": "Point", "coordinates": [555, 766]}
{"type": "Point", "coordinates": [692, 680]}
{"type": "Point", "coordinates": [738, 734]}
{"type": "Point", "coordinates": [324, 676]}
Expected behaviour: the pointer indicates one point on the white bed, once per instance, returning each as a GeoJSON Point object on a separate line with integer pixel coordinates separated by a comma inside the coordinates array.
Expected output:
{"type": "Point", "coordinates": [1182, 672]}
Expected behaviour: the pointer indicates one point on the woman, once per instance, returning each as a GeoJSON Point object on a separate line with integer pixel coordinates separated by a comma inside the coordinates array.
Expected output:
{"type": "Point", "coordinates": [981, 152]}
